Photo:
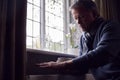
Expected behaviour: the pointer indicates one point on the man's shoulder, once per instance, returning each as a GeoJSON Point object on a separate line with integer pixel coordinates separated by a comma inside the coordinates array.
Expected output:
{"type": "Point", "coordinates": [109, 24]}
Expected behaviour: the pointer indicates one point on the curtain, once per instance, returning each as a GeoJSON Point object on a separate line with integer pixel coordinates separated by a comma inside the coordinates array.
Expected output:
{"type": "Point", "coordinates": [12, 39]}
{"type": "Point", "coordinates": [109, 9]}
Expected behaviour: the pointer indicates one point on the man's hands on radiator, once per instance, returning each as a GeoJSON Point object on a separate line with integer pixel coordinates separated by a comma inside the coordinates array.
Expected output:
{"type": "Point", "coordinates": [55, 65]}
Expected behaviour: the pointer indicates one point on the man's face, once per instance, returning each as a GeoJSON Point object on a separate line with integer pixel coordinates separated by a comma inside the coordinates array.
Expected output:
{"type": "Point", "coordinates": [83, 18]}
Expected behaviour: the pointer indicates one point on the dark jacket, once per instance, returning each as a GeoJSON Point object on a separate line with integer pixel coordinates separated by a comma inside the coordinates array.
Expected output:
{"type": "Point", "coordinates": [100, 50]}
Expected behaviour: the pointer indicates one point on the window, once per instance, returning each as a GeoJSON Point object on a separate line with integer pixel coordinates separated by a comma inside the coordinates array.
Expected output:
{"type": "Point", "coordinates": [46, 23]}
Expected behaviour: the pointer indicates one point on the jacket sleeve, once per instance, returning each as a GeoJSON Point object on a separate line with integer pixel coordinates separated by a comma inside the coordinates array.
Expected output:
{"type": "Point", "coordinates": [108, 48]}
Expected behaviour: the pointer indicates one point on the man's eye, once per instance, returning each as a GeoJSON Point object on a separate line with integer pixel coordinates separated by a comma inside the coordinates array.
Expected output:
{"type": "Point", "coordinates": [80, 17]}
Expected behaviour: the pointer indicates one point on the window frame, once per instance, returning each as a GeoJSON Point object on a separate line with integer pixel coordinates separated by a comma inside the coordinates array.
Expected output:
{"type": "Point", "coordinates": [42, 24]}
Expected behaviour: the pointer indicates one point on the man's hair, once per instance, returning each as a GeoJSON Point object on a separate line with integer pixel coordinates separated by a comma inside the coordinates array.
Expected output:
{"type": "Point", "coordinates": [88, 5]}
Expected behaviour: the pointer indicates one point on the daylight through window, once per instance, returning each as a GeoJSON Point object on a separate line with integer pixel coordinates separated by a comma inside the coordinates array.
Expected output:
{"type": "Point", "coordinates": [45, 25]}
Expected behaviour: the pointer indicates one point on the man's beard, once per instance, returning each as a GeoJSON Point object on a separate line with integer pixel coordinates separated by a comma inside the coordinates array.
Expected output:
{"type": "Point", "coordinates": [84, 28]}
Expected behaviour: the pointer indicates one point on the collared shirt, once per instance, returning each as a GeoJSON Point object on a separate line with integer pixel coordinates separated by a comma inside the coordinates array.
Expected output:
{"type": "Point", "coordinates": [86, 41]}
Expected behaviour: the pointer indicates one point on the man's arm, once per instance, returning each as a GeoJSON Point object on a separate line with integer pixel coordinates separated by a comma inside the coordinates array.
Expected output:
{"type": "Point", "coordinates": [107, 49]}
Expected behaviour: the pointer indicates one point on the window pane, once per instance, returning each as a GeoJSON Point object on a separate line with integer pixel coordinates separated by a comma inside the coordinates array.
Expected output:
{"type": "Point", "coordinates": [50, 21]}
{"type": "Point", "coordinates": [47, 18]}
{"type": "Point", "coordinates": [29, 27]}
{"type": "Point", "coordinates": [59, 1]}
{"type": "Point", "coordinates": [29, 11]}
{"type": "Point", "coordinates": [62, 47]}
{"type": "Point", "coordinates": [59, 23]}
{"type": "Point", "coordinates": [36, 29]}
{"type": "Point", "coordinates": [36, 14]}
{"type": "Point", "coordinates": [36, 2]}
{"type": "Point", "coordinates": [58, 9]}
{"type": "Point", "coordinates": [55, 35]}
{"type": "Point", "coordinates": [57, 47]}
{"type": "Point", "coordinates": [55, 8]}
{"type": "Point", "coordinates": [29, 1]}
{"type": "Point", "coordinates": [49, 5]}
{"type": "Point", "coordinates": [29, 42]}
{"type": "Point", "coordinates": [36, 43]}
{"type": "Point", "coordinates": [53, 25]}
{"type": "Point", "coordinates": [47, 36]}
{"type": "Point", "coordinates": [51, 46]}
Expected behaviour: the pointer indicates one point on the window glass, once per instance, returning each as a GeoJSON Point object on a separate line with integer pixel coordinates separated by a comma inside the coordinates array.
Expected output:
{"type": "Point", "coordinates": [50, 31]}
{"type": "Point", "coordinates": [29, 27]}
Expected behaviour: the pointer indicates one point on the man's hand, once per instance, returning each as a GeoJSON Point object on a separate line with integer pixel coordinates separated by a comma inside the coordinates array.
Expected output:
{"type": "Point", "coordinates": [54, 65]}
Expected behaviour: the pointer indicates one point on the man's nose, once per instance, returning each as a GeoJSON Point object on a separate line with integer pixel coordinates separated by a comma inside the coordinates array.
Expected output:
{"type": "Point", "coordinates": [78, 21]}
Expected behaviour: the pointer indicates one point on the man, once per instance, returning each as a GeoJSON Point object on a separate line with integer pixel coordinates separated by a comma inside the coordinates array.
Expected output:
{"type": "Point", "coordinates": [99, 44]}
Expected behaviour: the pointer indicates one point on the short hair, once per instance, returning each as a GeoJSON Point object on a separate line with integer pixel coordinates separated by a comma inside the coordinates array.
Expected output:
{"type": "Point", "coordinates": [88, 5]}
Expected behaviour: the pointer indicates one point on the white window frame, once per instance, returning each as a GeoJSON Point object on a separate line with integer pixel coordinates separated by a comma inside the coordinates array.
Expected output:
{"type": "Point", "coordinates": [42, 25]}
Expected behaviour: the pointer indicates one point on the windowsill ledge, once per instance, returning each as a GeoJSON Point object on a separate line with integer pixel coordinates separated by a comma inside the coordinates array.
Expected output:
{"type": "Point", "coordinates": [49, 52]}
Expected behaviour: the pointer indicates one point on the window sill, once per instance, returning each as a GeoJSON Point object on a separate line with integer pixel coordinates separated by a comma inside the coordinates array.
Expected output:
{"type": "Point", "coordinates": [48, 52]}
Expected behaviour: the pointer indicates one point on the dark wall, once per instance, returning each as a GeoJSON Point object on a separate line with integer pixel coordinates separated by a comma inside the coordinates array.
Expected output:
{"type": "Point", "coordinates": [38, 56]}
